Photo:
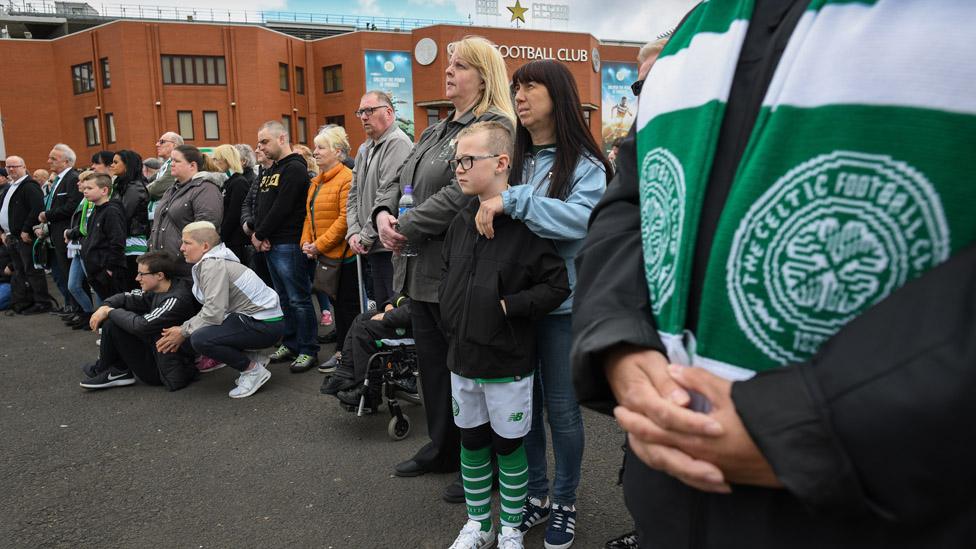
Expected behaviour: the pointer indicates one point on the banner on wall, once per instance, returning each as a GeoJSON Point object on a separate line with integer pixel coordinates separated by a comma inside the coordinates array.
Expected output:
{"type": "Point", "coordinates": [619, 104]}
{"type": "Point", "coordinates": [392, 72]}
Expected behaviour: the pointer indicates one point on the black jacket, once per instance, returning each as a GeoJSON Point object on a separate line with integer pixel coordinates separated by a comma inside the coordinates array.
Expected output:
{"type": "Point", "coordinates": [280, 209]}
{"type": "Point", "coordinates": [247, 208]}
{"type": "Point", "coordinates": [235, 191]}
{"type": "Point", "coordinates": [872, 437]}
{"type": "Point", "coordinates": [104, 246]}
{"type": "Point", "coordinates": [146, 314]}
{"type": "Point", "coordinates": [135, 203]}
{"type": "Point", "coordinates": [517, 266]}
{"type": "Point", "coordinates": [25, 205]}
{"type": "Point", "coordinates": [66, 199]}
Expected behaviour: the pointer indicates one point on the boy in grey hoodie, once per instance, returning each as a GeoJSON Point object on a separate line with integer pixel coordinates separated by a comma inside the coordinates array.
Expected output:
{"type": "Point", "coordinates": [240, 312]}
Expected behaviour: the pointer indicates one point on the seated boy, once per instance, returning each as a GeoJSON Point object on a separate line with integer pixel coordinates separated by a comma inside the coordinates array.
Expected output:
{"type": "Point", "coordinates": [103, 248]}
{"type": "Point", "coordinates": [491, 294]}
{"type": "Point", "coordinates": [132, 322]}
{"type": "Point", "coordinates": [360, 345]}
{"type": "Point", "coordinates": [240, 312]}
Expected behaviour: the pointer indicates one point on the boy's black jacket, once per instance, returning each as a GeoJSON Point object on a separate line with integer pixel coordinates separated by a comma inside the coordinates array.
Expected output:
{"type": "Point", "coordinates": [477, 273]}
{"type": "Point", "coordinates": [104, 247]}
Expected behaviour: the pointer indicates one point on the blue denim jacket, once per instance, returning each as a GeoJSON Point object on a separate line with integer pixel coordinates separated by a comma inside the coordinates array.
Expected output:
{"type": "Point", "coordinates": [562, 221]}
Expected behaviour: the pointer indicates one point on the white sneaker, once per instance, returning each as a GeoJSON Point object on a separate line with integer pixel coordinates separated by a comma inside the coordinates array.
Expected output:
{"type": "Point", "coordinates": [510, 538]}
{"type": "Point", "coordinates": [471, 537]}
{"type": "Point", "coordinates": [249, 382]}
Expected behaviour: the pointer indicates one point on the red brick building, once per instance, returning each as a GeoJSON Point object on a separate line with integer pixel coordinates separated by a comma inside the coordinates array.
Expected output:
{"type": "Point", "coordinates": [122, 84]}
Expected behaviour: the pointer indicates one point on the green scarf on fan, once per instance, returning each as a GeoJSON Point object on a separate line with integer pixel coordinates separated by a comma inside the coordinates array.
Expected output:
{"type": "Point", "coordinates": [855, 178]}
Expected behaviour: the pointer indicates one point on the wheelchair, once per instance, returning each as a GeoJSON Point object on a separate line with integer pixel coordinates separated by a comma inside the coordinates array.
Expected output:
{"type": "Point", "coordinates": [391, 375]}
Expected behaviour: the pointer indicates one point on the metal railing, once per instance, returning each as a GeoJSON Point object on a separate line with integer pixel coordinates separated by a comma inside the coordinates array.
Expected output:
{"type": "Point", "coordinates": [81, 10]}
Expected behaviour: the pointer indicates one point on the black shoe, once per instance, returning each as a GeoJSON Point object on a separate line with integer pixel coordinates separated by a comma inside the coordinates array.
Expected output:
{"type": "Point", "coordinates": [60, 311]}
{"type": "Point", "coordinates": [83, 323]}
{"type": "Point", "coordinates": [329, 366]}
{"type": "Point", "coordinates": [454, 493]}
{"type": "Point", "coordinates": [327, 338]}
{"type": "Point", "coordinates": [332, 385]}
{"type": "Point", "coordinates": [409, 468]}
{"type": "Point", "coordinates": [37, 308]}
{"type": "Point", "coordinates": [109, 378]}
{"type": "Point", "coordinates": [68, 314]}
{"type": "Point", "coordinates": [70, 320]}
{"type": "Point", "coordinates": [626, 541]}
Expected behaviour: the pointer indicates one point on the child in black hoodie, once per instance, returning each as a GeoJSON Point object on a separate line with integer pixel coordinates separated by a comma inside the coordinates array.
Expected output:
{"type": "Point", "coordinates": [492, 291]}
{"type": "Point", "coordinates": [103, 249]}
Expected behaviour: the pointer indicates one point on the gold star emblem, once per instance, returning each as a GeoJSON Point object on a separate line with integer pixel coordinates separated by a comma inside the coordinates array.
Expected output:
{"type": "Point", "coordinates": [518, 12]}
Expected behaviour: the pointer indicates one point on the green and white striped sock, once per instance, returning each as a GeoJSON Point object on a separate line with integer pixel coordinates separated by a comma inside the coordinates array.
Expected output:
{"type": "Point", "coordinates": [476, 478]}
{"type": "Point", "coordinates": [513, 481]}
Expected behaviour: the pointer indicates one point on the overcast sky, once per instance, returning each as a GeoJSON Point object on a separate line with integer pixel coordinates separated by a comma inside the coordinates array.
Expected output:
{"type": "Point", "coordinates": [634, 20]}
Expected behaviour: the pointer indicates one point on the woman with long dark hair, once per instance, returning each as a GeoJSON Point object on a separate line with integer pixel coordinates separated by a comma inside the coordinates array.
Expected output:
{"type": "Point", "coordinates": [129, 187]}
{"type": "Point", "coordinates": [558, 175]}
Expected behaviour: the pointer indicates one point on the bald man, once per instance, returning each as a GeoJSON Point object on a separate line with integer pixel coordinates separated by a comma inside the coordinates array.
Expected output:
{"type": "Point", "coordinates": [164, 179]}
{"type": "Point", "coordinates": [20, 204]}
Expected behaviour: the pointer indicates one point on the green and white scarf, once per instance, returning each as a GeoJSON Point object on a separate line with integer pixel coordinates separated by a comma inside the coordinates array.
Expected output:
{"type": "Point", "coordinates": [854, 181]}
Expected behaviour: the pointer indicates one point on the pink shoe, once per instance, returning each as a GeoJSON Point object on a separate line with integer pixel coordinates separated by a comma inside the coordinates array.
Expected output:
{"type": "Point", "coordinates": [206, 364]}
{"type": "Point", "coordinates": [326, 318]}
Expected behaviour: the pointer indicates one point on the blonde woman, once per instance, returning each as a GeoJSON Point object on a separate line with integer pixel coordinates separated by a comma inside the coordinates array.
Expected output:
{"type": "Point", "coordinates": [324, 232]}
{"type": "Point", "coordinates": [476, 82]}
{"type": "Point", "coordinates": [313, 169]}
{"type": "Point", "coordinates": [227, 160]}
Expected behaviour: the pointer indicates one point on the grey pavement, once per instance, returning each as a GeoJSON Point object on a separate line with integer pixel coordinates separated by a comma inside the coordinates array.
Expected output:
{"type": "Point", "coordinates": [139, 466]}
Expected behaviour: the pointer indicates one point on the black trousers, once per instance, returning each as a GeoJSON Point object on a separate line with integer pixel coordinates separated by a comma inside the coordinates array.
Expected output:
{"type": "Point", "coordinates": [28, 285]}
{"type": "Point", "coordinates": [346, 302]}
{"type": "Point", "coordinates": [381, 273]}
{"type": "Point", "coordinates": [124, 350]}
{"type": "Point", "coordinates": [229, 342]}
{"type": "Point", "coordinates": [259, 264]}
{"type": "Point", "coordinates": [360, 344]}
{"type": "Point", "coordinates": [442, 453]}
{"type": "Point", "coordinates": [61, 257]}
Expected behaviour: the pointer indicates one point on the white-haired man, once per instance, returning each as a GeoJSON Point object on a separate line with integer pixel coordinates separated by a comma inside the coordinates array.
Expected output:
{"type": "Point", "coordinates": [59, 206]}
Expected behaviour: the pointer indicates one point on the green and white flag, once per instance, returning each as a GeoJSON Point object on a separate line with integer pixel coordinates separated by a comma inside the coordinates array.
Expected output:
{"type": "Point", "coordinates": [855, 178]}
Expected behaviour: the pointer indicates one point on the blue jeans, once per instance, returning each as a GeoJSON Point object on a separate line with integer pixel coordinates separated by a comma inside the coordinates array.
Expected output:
{"type": "Point", "coordinates": [289, 273]}
{"type": "Point", "coordinates": [76, 283]}
{"type": "Point", "coordinates": [554, 385]}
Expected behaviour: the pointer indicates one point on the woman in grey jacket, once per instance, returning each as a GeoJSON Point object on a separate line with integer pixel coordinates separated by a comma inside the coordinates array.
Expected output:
{"type": "Point", "coordinates": [240, 313]}
{"type": "Point", "coordinates": [196, 196]}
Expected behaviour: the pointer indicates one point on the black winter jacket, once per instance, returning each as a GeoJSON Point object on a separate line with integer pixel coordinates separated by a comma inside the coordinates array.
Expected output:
{"type": "Point", "coordinates": [25, 204]}
{"type": "Point", "coordinates": [135, 203]}
{"type": "Point", "coordinates": [103, 249]}
{"type": "Point", "coordinates": [279, 214]}
{"type": "Point", "coordinates": [147, 314]}
{"type": "Point", "coordinates": [516, 266]}
{"type": "Point", "coordinates": [231, 230]}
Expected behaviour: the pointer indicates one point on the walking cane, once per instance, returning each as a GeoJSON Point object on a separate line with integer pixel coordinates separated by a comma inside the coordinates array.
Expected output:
{"type": "Point", "coordinates": [359, 279]}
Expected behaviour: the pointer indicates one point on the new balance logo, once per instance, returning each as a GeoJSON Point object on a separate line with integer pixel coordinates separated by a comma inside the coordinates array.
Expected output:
{"type": "Point", "coordinates": [516, 417]}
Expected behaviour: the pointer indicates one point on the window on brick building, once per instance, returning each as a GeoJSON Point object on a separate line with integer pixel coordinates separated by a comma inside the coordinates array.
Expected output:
{"type": "Point", "coordinates": [195, 70]}
{"type": "Point", "coordinates": [110, 127]}
{"type": "Point", "coordinates": [332, 78]}
{"type": "Point", "coordinates": [433, 116]}
{"type": "Point", "coordinates": [211, 127]}
{"type": "Point", "coordinates": [82, 78]}
{"type": "Point", "coordinates": [586, 117]}
{"type": "Point", "coordinates": [184, 122]}
{"type": "Point", "coordinates": [106, 75]}
{"type": "Point", "coordinates": [302, 130]}
{"type": "Point", "coordinates": [283, 76]}
{"type": "Point", "coordinates": [92, 136]}
{"type": "Point", "coordinates": [286, 122]}
{"type": "Point", "coordinates": [339, 120]}
{"type": "Point", "coordinates": [300, 80]}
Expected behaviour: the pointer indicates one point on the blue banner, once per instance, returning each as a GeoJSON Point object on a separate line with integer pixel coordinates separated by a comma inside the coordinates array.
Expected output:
{"type": "Point", "coordinates": [392, 72]}
{"type": "Point", "coordinates": [619, 104]}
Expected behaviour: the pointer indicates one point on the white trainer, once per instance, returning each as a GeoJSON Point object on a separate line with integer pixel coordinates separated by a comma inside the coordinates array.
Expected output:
{"type": "Point", "coordinates": [510, 538]}
{"type": "Point", "coordinates": [471, 537]}
{"type": "Point", "coordinates": [249, 382]}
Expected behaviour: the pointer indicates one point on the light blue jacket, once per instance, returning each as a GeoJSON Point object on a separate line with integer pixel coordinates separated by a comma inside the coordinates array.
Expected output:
{"type": "Point", "coordinates": [562, 221]}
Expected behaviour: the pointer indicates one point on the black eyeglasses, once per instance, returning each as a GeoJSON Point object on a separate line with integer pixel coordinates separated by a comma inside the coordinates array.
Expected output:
{"type": "Point", "coordinates": [140, 274]}
{"type": "Point", "coordinates": [467, 162]}
{"type": "Point", "coordinates": [368, 111]}
{"type": "Point", "coordinates": [161, 141]}
{"type": "Point", "coordinates": [636, 87]}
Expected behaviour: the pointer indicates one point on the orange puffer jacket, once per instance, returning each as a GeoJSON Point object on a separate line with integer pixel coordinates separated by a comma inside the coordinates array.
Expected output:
{"type": "Point", "coordinates": [325, 219]}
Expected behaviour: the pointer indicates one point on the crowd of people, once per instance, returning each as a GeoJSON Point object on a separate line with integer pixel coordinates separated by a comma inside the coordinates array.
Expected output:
{"type": "Point", "coordinates": [534, 273]}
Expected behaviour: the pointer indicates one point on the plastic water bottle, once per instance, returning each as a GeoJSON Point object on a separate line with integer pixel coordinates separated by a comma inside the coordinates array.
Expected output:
{"type": "Point", "coordinates": [406, 202]}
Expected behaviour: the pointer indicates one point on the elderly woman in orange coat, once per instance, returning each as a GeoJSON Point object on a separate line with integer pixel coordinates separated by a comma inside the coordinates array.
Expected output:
{"type": "Point", "coordinates": [325, 229]}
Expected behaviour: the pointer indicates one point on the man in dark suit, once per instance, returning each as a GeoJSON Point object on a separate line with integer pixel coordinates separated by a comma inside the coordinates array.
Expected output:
{"type": "Point", "coordinates": [20, 204]}
{"type": "Point", "coordinates": [59, 205]}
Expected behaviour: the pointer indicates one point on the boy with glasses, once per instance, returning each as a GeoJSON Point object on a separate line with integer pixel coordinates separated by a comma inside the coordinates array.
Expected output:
{"type": "Point", "coordinates": [131, 324]}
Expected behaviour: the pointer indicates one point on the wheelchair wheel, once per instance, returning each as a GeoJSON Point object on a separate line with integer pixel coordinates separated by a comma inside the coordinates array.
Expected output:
{"type": "Point", "coordinates": [398, 428]}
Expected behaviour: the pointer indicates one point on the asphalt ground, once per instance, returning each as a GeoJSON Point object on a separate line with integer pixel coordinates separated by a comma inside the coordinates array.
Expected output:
{"type": "Point", "coordinates": [139, 466]}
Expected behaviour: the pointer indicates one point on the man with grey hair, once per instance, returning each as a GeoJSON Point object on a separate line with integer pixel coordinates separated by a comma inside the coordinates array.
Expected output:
{"type": "Point", "coordinates": [20, 204]}
{"type": "Point", "coordinates": [59, 206]}
{"type": "Point", "coordinates": [377, 163]}
{"type": "Point", "coordinates": [164, 178]}
{"type": "Point", "coordinates": [279, 216]}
